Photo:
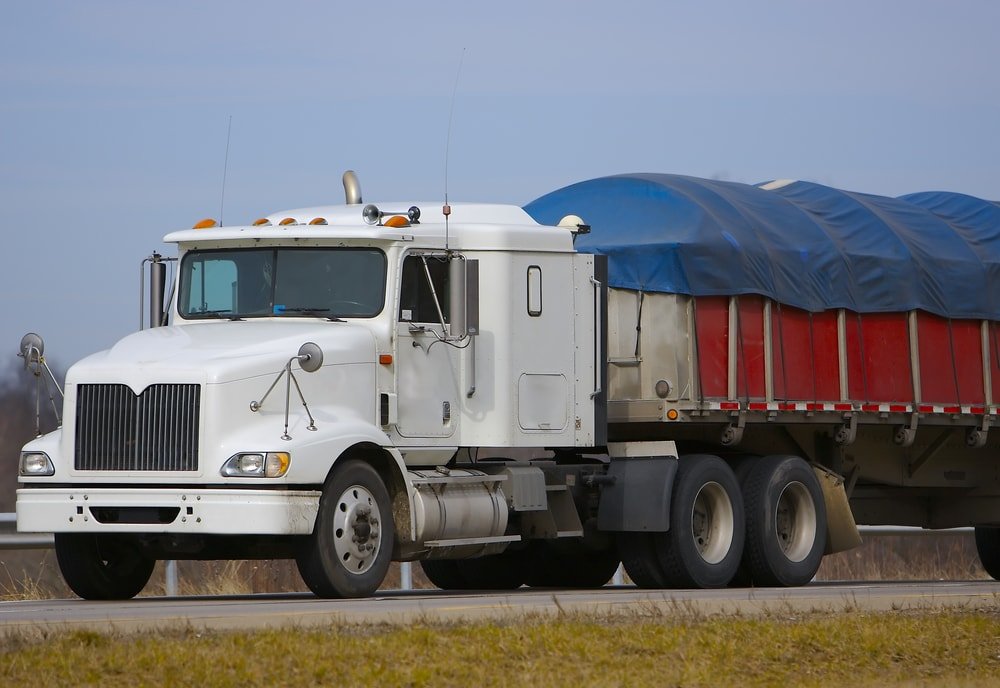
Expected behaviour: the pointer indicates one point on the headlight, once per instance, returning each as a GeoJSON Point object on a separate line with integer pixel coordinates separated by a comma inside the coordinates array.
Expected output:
{"type": "Point", "coordinates": [257, 465]}
{"type": "Point", "coordinates": [36, 463]}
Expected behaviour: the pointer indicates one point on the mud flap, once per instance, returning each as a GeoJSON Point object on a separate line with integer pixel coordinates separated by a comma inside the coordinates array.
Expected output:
{"type": "Point", "coordinates": [841, 530]}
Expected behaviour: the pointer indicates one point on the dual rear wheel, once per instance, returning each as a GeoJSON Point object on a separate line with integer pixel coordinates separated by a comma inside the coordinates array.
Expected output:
{"type": "Point", "coordinates": [763, 525]}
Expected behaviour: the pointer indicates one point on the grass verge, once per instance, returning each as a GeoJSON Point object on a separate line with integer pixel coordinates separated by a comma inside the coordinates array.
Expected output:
{"type": "Point", "coordinates": [926, 647]}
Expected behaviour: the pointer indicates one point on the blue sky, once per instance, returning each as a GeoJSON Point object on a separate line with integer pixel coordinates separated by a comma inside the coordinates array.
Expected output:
{"type": "Point", "coordinates": [113, 115]}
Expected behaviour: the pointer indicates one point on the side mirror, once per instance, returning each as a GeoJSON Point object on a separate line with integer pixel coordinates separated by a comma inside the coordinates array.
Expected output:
{"type": "Point", "coordinates": [463, 297]}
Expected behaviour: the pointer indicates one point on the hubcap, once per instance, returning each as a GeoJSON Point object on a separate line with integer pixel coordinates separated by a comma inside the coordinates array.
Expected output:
{"type": "Point", "coordinates": [357, 531]}
{"type": "Point", "coordinates": [712, 523]}
{"type": "Point", "coordinates": [795, 521]}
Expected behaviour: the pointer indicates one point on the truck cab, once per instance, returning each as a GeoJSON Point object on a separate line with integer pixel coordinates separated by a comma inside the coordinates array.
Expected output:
{"type": "Point", "coordinates": [311, 385]}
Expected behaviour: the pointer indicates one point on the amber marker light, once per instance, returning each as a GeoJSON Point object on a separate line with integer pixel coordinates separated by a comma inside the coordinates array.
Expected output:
{"type": "Point", "coordinates": [261, 222]}
{"type": "Point", "coordinates": [287, 221]}
{"type": "Point", "coordinates": [385, 359]}
{"type": "Point", "coordinates": [207, 223]}
{"type": "Point", "coordinates": [672, 414]}
{"type": "Point", "coordinates": [397, 221]}
{"type": "Point", "coordinates": [318, 221]}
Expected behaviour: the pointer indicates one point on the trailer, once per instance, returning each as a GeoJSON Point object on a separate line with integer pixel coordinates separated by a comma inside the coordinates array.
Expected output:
{"type": "Point", "coordinates": [708, 382]}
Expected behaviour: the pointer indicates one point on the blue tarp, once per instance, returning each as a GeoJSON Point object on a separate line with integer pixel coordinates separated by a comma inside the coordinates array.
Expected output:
{"type": "Point", "coordinates": [800, 243]}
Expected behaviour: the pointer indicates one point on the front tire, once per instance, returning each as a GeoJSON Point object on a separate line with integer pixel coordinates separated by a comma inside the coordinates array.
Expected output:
{"type": "Point", "coordinates": [350, 549]}
{"type": "Point", "coordinates": [786, 522]}
{"type": "Point", "coordinates": [102, 567]}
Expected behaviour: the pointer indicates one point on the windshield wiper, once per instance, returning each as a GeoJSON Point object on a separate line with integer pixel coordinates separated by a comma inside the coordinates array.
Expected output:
{"type": "Point", "coordinates": [221, 314]}
{"type": "Point", "coordinates": [313, 312]}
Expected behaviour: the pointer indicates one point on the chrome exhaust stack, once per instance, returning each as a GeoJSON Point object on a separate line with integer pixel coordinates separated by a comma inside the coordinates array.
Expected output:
{"type": "Point", "coordinates": [352, 188]}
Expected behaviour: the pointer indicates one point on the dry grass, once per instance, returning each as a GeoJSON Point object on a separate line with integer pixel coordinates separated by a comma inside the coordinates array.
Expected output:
{"type": "Point", "coordinates": [850, 649]}
{"type": "Point", "coordinates": [924, 557]}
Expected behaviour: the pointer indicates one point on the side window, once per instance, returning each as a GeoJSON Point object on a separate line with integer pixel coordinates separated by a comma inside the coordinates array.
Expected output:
{"type": "Point", "coordinates": [416, 300]}
{"type": "Point", "coordinates": [534, 291]}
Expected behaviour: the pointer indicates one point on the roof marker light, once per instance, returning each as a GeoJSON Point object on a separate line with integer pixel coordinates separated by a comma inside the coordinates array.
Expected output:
{"type": "Point", "coordinates": [397, 221]}
{"type": "Point", "coordinates": [287, 221]}
{"type": "Point", "coordinates": [207, 223]}
{"type": "Point", "coordinates": [318, 221]}
{"type": "Point", "coordinates": [262, 222]}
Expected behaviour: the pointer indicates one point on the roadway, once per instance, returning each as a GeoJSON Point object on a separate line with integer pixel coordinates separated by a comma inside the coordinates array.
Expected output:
{"type": "Point", "coordinates": [302, 610]}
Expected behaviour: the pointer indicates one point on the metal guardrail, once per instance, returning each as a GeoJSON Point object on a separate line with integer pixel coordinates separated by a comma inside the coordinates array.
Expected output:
{"type": "Point", "coordinates": [11, 539]}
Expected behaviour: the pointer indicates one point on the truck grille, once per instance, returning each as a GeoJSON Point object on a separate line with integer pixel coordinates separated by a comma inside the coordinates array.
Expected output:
{"type": "Point", "coordinates": [117, 430]}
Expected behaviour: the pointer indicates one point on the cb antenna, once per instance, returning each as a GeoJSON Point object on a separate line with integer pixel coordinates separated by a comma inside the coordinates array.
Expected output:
{"type": "Point", "coordinates": [446, 210]}
{"type": "Point", "coordinates": [225, 169]}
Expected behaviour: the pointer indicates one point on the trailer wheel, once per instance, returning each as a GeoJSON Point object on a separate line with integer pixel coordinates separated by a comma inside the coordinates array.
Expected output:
{"type": "Point", "coordinates": [349, 551]}
{"type": "Point", "coordinates": [988, 546]}
{"type": "Point", "coordinates": [102, 567]}
{"type": "Point", "coordinates": [444, 574]}
{"type": "Point", "coordinates": [785, 522]}
{"type": "Point", "coordinates": [704, 545]}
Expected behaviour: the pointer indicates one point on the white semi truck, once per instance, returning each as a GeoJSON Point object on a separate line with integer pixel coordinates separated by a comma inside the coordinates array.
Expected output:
{"type": "Point", "coordinates": [338, 385]}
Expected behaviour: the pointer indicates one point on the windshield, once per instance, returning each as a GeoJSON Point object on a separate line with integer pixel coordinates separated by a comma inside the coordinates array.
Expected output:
{"type": "Point", "coordinates": [269, 282]}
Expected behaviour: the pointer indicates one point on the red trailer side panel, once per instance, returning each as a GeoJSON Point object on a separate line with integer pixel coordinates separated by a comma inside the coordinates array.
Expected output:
{"type": "Point", "coordinates": [806, 364]}
{"type": "Point", "coordinates": [994, 339]}
{"type": "Point", "coordinates": [937, 372]}
{"type": "Point", "coordinates": [969, 361]}
{"type": "Point", "coordinates": [878, 357]}
{"type": "Point", "coordinates": [951, 360]}
{"type": "Point", "coordinates": [712, 330]}
{"type": "Point", "coordinates": [826, 359]}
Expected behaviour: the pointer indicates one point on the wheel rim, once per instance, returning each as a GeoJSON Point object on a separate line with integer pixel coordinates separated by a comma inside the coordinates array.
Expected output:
{"type": "Point", "coordinates": [357, 530]}
{"type": "Point", "coordinates": [712, 523]}
{"type": "Point", "coordinates": [795, 521]}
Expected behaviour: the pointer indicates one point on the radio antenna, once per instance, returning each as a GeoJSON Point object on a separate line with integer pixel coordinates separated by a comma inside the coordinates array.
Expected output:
{"type": "Point", "coordinates": [225, 170]}
{"type": "Point", "coordinates": [446, 210]}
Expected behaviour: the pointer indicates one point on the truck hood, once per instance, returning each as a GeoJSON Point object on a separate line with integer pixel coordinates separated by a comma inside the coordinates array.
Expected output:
{"type": "Point", "coordinates": [220, 351]}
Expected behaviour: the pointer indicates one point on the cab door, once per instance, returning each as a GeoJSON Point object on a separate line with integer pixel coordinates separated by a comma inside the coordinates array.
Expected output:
{"type": "Point", "coordinates": [428, 368]}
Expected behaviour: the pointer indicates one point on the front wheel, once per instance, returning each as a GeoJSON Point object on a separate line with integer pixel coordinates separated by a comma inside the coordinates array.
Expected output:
{"type": "Point", "coordinates": [102, 567]}
{"type": "Point", "coordinates": [349, 551]}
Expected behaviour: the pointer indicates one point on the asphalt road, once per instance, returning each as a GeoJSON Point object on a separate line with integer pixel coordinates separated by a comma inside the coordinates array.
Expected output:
{"type": "Point", "coordinates": [299, 610]}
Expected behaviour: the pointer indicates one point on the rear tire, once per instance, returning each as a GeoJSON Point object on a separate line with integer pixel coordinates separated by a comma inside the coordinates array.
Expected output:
{"type": "Point", "coordinates": [785, 522]}
{"type": "Point", "coordinates": [504, 571]}
{"type": "Point", "coordinates": [444, 574]}
{"type": "Point", "coordinates": [704, 545]}
{"type": "Point", "coordinates": [988, 546]}
{"type": "Point", "coordinates": [641, 562]}
{"type": "Point", "coordinates": [349, 551]}
{"type": "Point", "coordinates": [102, 567]}
{"type": "Point", "coordinates": [570, 564]}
